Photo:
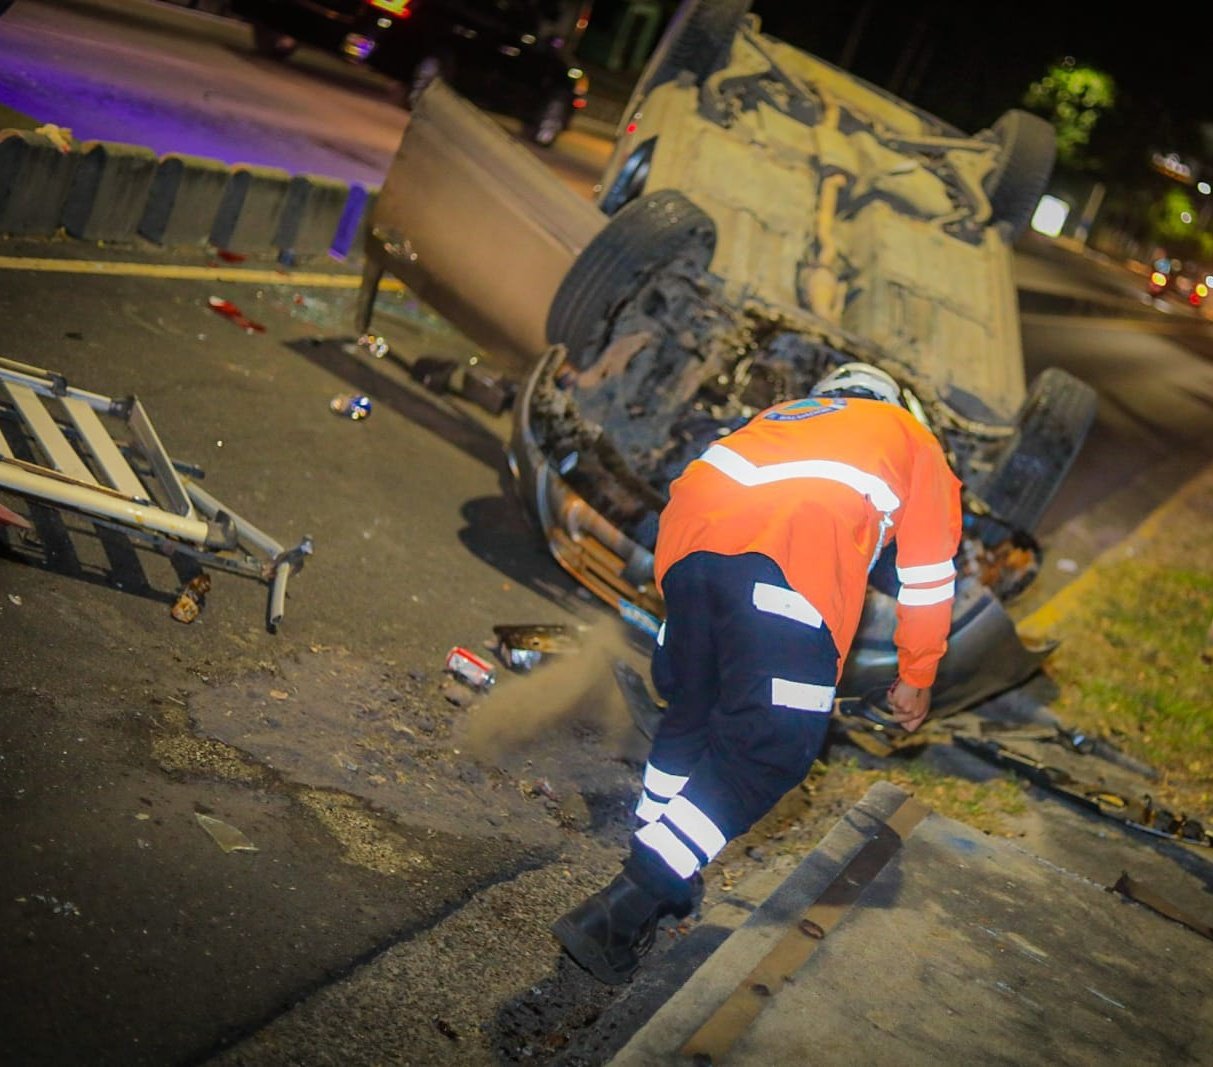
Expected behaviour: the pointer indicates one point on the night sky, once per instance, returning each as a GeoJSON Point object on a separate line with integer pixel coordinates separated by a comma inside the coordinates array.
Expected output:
{"type": "Point", "coordinates": [969, 63]}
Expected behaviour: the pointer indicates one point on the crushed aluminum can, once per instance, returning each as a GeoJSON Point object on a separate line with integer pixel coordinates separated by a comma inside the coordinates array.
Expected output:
{"type": "Point", "coordinates": [520, 659]}
{"type": "Point", "coordinates": [353, 406]}
{"type": "Point", "coordinates": [468, 667]}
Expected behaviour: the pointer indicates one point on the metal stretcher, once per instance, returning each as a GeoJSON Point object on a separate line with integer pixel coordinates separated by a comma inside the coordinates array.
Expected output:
{"type": "Point", "coordinates": [56, 449]}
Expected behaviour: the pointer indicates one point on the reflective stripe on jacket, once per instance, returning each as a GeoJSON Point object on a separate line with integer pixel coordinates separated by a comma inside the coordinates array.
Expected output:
{"type": "Point", "coordinates": [821, 486]}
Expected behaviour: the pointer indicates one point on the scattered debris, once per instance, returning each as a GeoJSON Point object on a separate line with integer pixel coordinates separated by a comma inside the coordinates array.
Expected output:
{"type": "Point", "coordinates": [1140, 814]}
{"type": "Point", "coordinates": [1207, 652]}
{"type": "Point", "coordinates": [1144, 895]}
{"type": "Point", "coordinates": [487, 389]}
{"type": "Point", "coordinates": [376, 346]}
{"type": "Point", "coordinates": [14, 599]}
{"type": "Point", "coordinates": [353, 406]}
{"type": "Point", "coordinates": [59, 907]}
{"type": "Point", "coordinates": [470, 668]}
{"type": "Point", "coordinates": [874, 731]}
{"type": "Point", "coordinates": [11, 518]}
{"type": "Point", "coordinates": [434, 372]}
{"type": "Point", "coordinates": [521, 648]}
{"type": "Point", "coordinates": [227, 837]}
{"type": "Point", "coordinates": [280, 694]}
{"type": "Point", "coordinates": [231, 311]}
{"type": "Point", "coordinates": [483, 387]}
{"type": "Point", "coordinates": [1086, 745]}
{"type": "Point", "coordinates": [523, 660]}
{"type": "Point", "coordinates": [192, 598]}
{"type": "Point", "coordinates": [541, 787]}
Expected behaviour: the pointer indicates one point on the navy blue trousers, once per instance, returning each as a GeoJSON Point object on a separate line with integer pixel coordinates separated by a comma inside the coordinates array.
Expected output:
{"type": "Point", "coordinates": [748, 670]}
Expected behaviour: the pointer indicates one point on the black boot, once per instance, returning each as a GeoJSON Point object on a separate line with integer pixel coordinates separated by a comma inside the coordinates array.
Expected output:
{"type": "Point", "coordinates": [689, 904]}
{"type": "Point", "coordinates": [612, 930]}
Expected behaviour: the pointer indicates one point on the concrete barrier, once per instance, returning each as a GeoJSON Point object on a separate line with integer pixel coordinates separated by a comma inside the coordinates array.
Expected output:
{"type": "Point", "coordinates": [35, 176]}
{"type": "Point", "coordinates": [251, 209]}
{"type": "Point", "coordinates": [314, 209]}
{"type": "Point", "coordinates": [106, 191]}
{"type": "Point", "coordinates": [109, 191]}
{"type": "Point", "coordinates": [183, 200]}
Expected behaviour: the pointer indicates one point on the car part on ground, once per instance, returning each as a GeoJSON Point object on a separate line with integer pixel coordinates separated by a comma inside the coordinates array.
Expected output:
{"type": "Point", "coordinates": [1138, 813]}
{"type": "Point", "coordinates": [515, 57]}
{"type": "Point", "coordinates": [59, 452]}
{"type": "Point", "coordinates": [863, 230]}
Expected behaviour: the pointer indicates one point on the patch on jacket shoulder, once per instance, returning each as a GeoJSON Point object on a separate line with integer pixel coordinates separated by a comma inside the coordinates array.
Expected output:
{"type": "Point", "coordinates": [809, 407]}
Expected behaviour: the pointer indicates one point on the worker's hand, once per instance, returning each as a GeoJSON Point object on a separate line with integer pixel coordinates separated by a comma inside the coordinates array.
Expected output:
{"type": "Point", "coordinates": [909, 704]}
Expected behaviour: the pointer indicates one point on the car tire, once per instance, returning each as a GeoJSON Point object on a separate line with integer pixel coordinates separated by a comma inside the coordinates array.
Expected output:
{"type": "Point", "coordinates": [1051, 427]}
{"type": "Point", "coordinates": [643, 236]}
{"type": "Point", "coordinates": [271, 43]}
{"type": "Point", "coordinates": [5, 5]}
{"type": "Point", "coordinates": [1027, 152]}
{"type": "Point", "coordinates": [551, 121]}
{"type": "Point", "coordinates": [698, 39]}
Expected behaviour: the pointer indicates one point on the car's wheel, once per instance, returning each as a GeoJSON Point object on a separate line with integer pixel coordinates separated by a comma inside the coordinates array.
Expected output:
{"type": "Point", "coordinates": [1050, 430]}
{"type": "Point", "coordinates": [644, 235]}
{"type": "Point", "coordinates": [5, 5]}
{"type": "Point", "coordinates": [698, 39]}
{"type": "Point", "coordinates": [428, 70]}
{"type": "Point", "coordinates": [269, 42]}
{"type": "Point", "coordinates": [551, 121]}
{"type": "Point", "coordinates": [1027, 152]}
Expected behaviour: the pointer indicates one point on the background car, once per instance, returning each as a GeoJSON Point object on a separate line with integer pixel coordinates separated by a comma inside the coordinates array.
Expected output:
{"type": "Point", "coordinates": [1184, 281]}
{"type": "Point", "coordinates": [514, 57]}
{"type": "Point", "coordinates": [764, 217]}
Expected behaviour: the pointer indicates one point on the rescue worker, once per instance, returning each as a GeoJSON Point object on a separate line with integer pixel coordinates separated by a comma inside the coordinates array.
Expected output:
{"type": "Point", "coordinates": [763, 558]}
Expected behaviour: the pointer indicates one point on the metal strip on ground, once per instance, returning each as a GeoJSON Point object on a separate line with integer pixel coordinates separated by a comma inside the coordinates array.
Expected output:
{"type": "Point", "coordinates": [720, 1032]}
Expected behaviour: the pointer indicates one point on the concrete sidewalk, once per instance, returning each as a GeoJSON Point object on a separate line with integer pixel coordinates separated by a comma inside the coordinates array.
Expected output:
{"type": "Point", "coordinates": [907, 938]}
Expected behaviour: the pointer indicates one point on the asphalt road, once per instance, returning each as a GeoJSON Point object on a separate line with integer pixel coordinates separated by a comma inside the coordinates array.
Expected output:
{"type": "Point", "coordinates": [130, 935]}
{"type": "Point", "coordinates": [1151, 364]}
{"type": "Point", "coordinates": [177, 80]}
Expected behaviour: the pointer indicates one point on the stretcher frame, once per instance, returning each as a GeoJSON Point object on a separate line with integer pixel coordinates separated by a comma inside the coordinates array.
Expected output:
{"type": "Point", "coordinates": [130, 485]}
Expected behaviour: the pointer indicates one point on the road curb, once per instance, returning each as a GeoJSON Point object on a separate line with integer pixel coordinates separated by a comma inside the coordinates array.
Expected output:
{"type": "Point", "coordinates": [117, 193]}
{"type": "Point", "coordinates": [1046, 620]}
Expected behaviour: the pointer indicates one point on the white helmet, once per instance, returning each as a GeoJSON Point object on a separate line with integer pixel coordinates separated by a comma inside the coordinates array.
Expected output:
{"type": "Point", "coordinates": [859, 379]}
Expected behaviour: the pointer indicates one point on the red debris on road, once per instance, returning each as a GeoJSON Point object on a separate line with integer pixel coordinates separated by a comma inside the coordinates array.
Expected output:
{"type": "Point", "coordinates": [226, 307]}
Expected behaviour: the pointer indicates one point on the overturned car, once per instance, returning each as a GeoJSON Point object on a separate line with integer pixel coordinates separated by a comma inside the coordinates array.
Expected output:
{"type": "Point", "coordinates": [763, 218]}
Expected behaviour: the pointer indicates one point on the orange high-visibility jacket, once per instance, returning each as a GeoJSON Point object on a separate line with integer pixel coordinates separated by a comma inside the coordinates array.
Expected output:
{"type": "Point", "coordinates": [821, 486]}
